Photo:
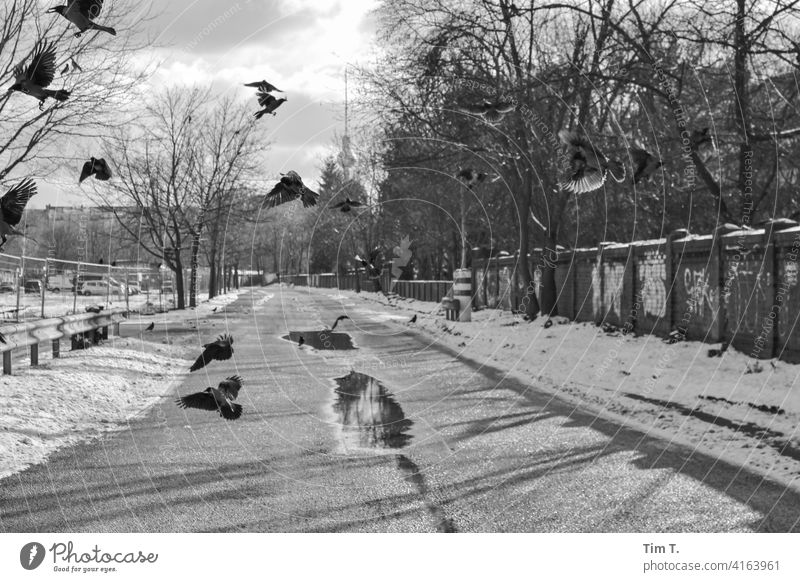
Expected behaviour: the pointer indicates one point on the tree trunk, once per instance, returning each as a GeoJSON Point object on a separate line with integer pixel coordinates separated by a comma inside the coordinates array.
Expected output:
{"type": "Point", "coordinates": [179, 289]}
{"type": "Point", "coordinates": [212, 274]}
{"type": "Point", "coordinates": [530, 304]}
{"type": "Point", "coordinates": [193, 276]}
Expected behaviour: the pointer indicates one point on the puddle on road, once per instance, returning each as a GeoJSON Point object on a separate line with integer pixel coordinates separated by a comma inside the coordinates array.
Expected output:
{"type": "Point", "coordinates": [322, 339]}
{"type": "Point", "coordinates": [368, 414]}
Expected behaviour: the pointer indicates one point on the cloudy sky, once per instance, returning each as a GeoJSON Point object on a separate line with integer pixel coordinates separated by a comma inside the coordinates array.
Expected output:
{"type": "Point", "coordinates": [301, 46]}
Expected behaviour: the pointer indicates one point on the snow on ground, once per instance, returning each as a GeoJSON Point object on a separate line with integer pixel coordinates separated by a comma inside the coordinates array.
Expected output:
{"type": "Point", "coordinates": [88, 392]}
{"type": "Point", "coordinates": [81, 395]}
{"type": "Point", "coordinates": [722, 405]}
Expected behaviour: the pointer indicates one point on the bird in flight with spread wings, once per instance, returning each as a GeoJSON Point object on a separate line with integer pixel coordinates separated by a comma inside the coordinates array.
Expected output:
{"type": "Point", "coordinates": [222, 349]}
{"type": "Point", "coordinates": [37, 76]}
{"type": "Point", "coordinates": [97, 167]}
{"type": "Point", "coordinates": [220, 399]}
{"type": "Point", "coordinates": [290, 187]}
{"type": "Point", "coordinates": [12, 205]}
{"type": "Point", "coordinates": [347, 204]}
{"type": "Point", "coordinates": [588, 165]}
{"type": "Point", "coordinates": [82, 13]}
{"type": "Point", "coordinates": [491, 112]}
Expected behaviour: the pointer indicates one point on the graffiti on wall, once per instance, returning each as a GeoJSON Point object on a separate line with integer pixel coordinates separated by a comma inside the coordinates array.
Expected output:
{"type": "Point", "coordinates": [700, 295]}
{"type": "Point", "coordinates": [653, 279]}
{"type": "Point", "coordinates": [747, 304]}
{"type": "Point", "coordinates": [614, 276]}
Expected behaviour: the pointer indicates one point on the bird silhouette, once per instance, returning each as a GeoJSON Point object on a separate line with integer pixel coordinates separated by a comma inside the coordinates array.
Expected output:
{"type": "Point", "coordinates": [588, 165]}
{"type": "Point", "coordinates": [269, 103]}
{"type": "Point", "coordinates": [82, 13]}
{"type": "Point", "coordinates": [644, 163]}
{"type": "Point", "coordinates": [338, 319]}
{"type": "Point", "coordinates": [151, 327]}
{"type": "Point", "coordinates": [372, 264]}
{"type": "Point", "coordinates": [34, 79]}
{"type": "Point", "coordinates": [413, 319]}
{"type": "Point", "coordinates": [222, 349]}
{"type": "Point", "coordinates": [290, 188]}
{"type": "Point", "coordinates": [218, 399]}
{"type": "Point", "coordinates": [347, 205]}
{"type": "Point", "coordinates": [94, 309]}
{"type": "Point", "coordinates": [97, 167]}
{"type": "Point", "coordinates": [493, 112]}
{"type": "Point", "coordinates": [12, 205]}
{"type": "Point", "coordinates": [548, 323]}
{"type": "Point", "coordinates": [301, 341]}
{"type": "Point", "coordinates": [263, 86]}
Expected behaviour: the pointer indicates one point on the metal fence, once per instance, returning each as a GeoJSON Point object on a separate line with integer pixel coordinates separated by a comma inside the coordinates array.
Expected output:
{"type": "Point", "coordinates": [421, 290]}
{"type": "Point", "coordinates": [34, 288]}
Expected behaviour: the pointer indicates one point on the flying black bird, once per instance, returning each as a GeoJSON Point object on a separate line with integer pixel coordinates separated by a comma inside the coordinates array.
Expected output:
{"type": "Point", "coordinates": [347, 204]}
{"type": "Point", "coordinates": [12, 205]}
{"type": "Point", "coordinates": [82, 13]}
{"type": "Point", "coordinates": [151, 327]}
{"type": "Point", "coordinates": [222, 349]}
{"type": "Point", "coordinates": [38, 75]}
{"type": "Point", "coordinates": [290, 188]}
{"type": "Point", "coordinates": [588, 165]}
{"type": "Point", "coordinates": [491, 112]}
{"type": "Point", "coordinates": [645, 164]}
{"type": "Point", "coordinates": [702, 137]}
{"type": "Point", "coordinates": [413, 319]}
{"type": "Point", "coordinates": [263, 86]}
{"type": "Point", "coordinates": [218, 399]}
{"type": "Point", "coordinates": [75, 65]}
{"type": "Point", "coordinates": [269, 103]}
{"type": "Point", "coordinates": [372, 264]}
{"type": "Point", "coordinates": [470, 177]}
{"type": "Point", "coordinates": [338, 319]}
{"type": "Point", "coordinates": [97, 167]}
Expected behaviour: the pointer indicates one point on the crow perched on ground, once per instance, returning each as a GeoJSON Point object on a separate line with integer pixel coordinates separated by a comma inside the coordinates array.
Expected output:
{"type": "Point", "coordinates": [588, 165]}
{"type": "Point", "coordinates": [94, 309]}
{"type": "Point", "coordinates": [290, 188]}
{"type": "Point", "coordinates": [81, 13]}
{"type": "Point", "coordinates": [347, 205]}
{"type": "Point", "coordinates": [222, 349]}
{"type": "Point", "coordinates": [219, 399]}
{"type": "Point", "coordinates": [97, 167]}
{"type": "Point", "coordinates": [151, 327]}
{"type": "Point", "coordinates": [38, 75]}
{"type": "Point", "coordinates": [301, 341]}
{"type": "Point", "coordinates": [12, 205]}
{"type": "Point", "coordinates": [413, 319]}
{"type": "Point", "coordinates": [338, 319]}
{"type": "Point", "coordinates": [491, 112]}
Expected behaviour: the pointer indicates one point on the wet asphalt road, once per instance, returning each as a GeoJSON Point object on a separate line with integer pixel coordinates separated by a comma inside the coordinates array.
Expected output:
{"type": "Point", "coordinates": [465, 449]}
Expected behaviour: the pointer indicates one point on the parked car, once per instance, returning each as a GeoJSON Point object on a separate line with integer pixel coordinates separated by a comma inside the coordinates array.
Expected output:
{"type": "Point", "coordinates": [33, 286]}
{"type": "Point", "coordinates": [101, 288]}
{"type": "Point", "coordinates": [7, 288]}
{"type": "Point", "coordinates": [58, 283]}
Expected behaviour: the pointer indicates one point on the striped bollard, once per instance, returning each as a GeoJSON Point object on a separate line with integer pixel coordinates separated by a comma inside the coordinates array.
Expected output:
{"type": "Point", "coordinates": [462, 290]}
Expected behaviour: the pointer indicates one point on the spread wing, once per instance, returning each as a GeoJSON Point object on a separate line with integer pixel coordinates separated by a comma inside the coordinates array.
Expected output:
{"type": "Point", "coordinates": [199, 400]}
{"type": "Point", "coordinates": [475, 109]}
{"type": "Point", "coordinates": [90, 8]}
{"type": "Point", "coordinates": [309, 197]}
{"type": "Point", "coordinates": [103, 171]}
{"type": "Point", "coordinates": [263, 86]}
{"type": "Point", "coordinates": [584, 180]}
{"type": "Point", "coordinates": [230, 412]}
{"type": "Point", "coordinates": [42, 69]}
{"type": "Point", "coordinates": [87, 170]}
{"type": "Point", "coordinates": [232, 386]}
{"type": "Point", "coordinates": [13, 203]}
{"type": "Point", "coordinates": [505, 107]}
{"type": "Point", "coordinates": [280, 194]}
{"type": "Point", "coordinates": [265, 99]}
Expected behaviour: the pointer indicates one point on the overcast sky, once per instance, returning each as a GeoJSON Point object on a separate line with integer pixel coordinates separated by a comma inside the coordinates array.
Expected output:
{"type": "Point", "coordinates": [301, 46]}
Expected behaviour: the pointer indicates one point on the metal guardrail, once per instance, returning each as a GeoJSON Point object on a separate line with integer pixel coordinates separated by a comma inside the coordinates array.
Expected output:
{"type": "Point", "coordinates": [33, 333]}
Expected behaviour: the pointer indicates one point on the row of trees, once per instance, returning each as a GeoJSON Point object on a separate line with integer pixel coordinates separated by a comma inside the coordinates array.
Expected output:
{"type": "Point", "coordinates": [622, 72]}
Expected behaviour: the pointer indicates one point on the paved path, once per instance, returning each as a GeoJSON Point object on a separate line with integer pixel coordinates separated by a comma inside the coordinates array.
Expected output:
{"type": "Point", "coordinates": [481, 452]}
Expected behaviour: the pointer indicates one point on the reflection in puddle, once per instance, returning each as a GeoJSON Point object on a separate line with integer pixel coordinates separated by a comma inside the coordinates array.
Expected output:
{"type": "Point", "coordinates": [321, 339]}
{"type": "Point", "coordinates": [368, 414]}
